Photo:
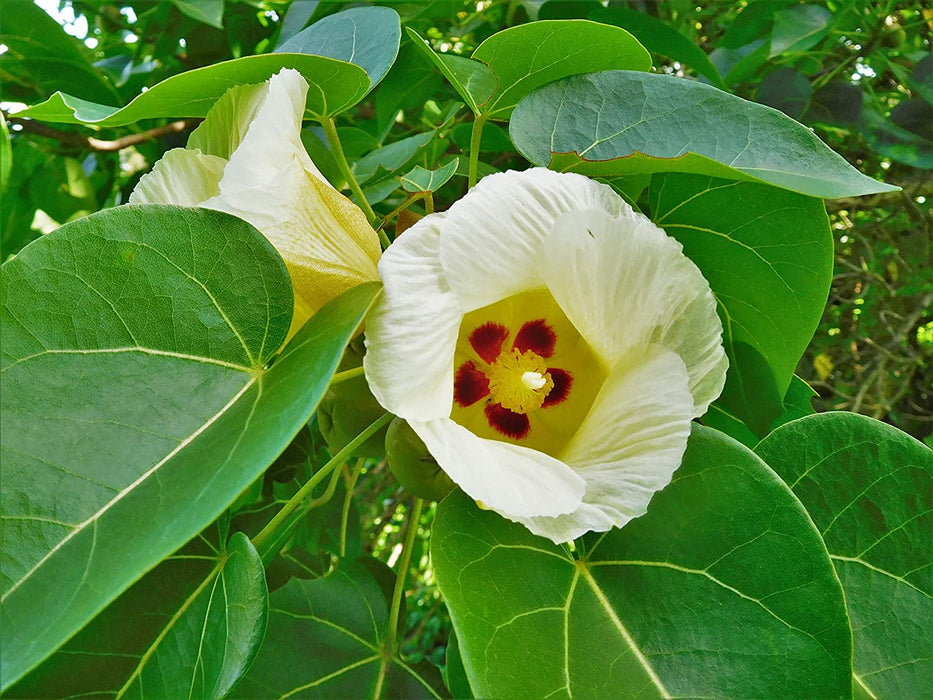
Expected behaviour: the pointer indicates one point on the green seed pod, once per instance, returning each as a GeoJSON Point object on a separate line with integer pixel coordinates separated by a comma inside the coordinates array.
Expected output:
{"type": "Point", "coordinates": [413, 466]}
{"type": "Point", "coordinates": [344, 412]}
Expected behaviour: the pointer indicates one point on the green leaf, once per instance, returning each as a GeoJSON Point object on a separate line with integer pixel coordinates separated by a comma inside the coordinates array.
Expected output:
{"type": "Point", "coordinates": [392, 157]}
{"type": "Point", "coordinates": [528, 56]}
{"type": "Point", "coordinates": [335, 86]}
{"type": "Point", "coordinates": [869, 489]}
{"type": "Point", "coordinates": [798, 28]}
{"type": "Point", "coordinates": [138, 401]}
{"type": "Point", "coordinates": [472, 80]}
{"type": "Point", "coordinates": [454, 673]}
{"type": "Point", "coordinates": [768, 256]}
{"type": "Point", "coordinates": [625, 122]}
{"type": "Point", "coordinates": [724, 589]}
{"type": "Point", "coordinates": [209, 12]}
{"type": "Point", "coordinates": [41, 54]}
{"type": "Point", "coordinates": [327, 638]}
{"type": "Point", "coordinates": [365, 36]}
{"type": "Point", "coordinates": [189, 628]}
{"type": "Point", "coordinates": [660, 37]}
{"type": "Point", "coordinates": [419, 179]}
{"type": "Point", "coordinates": [411, 83]}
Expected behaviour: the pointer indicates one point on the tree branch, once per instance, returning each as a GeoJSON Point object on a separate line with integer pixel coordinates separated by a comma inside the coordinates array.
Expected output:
{"type": "Point", "coordinates": [75, 139]}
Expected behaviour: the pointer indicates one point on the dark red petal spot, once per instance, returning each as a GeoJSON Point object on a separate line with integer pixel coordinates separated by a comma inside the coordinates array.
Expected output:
{"type": "Point", "coordinates": [470, 385]}
{"type": "Point", "coordinates": [509, 423]}
{"type": "Point", "coordinates": [536, 336]}
{"type": "Point", "coordinates": [487, 340]}
{"type": "Point", "coordinates": [562, 383]}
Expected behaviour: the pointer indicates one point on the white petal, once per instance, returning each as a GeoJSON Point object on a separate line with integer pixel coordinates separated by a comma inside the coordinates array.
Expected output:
{"type": "Point", "coordinates": [623, 282]}
{"type": "Point", "coordinates": [514, 481]}
{"type": "Point", "coordinates": [629, 445]}
{"type": "Point", "coordinates": [181, 177]}
{"type": "Point", "coordinates": [276, 107]}
{"type": "Point", "coordinates": [495, 234]}
{"type": "Point", "coordinates": [325, 239]}
{"type": "Point", "coordinates": [416, 321]}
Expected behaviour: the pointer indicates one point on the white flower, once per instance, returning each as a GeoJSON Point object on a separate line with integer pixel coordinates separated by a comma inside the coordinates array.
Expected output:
{"type": "Point", "coordinates": [550, 346]}
{"type": "Point", "coordinates": [247, 159]}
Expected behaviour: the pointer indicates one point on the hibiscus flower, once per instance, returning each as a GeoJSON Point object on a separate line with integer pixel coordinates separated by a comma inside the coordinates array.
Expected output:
{"type": "Point", "coordinates": [247, 159]}
{"type": "Point", "coordinates": [550, 346]}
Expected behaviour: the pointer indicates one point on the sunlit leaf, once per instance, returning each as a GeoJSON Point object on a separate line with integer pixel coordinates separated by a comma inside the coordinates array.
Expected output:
{"type": "Point", "coordinates": [419, 179]}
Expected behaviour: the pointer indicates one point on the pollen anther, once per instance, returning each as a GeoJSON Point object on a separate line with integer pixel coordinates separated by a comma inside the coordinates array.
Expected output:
{"type": "Point", "coordinates": [519, 381]}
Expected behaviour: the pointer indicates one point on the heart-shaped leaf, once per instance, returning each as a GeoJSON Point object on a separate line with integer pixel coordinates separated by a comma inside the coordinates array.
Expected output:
{"type": "Point", "coordinates": [327, 638]}
{"type": "Point", "coordinates": [724, 589]}
{"type": "Point", "coordinates": [869, 489]}
{"type": "Point", "coordinates": [189, 628]}
{"type": "Point", "coordinates": [768, 256]}
{"type": "Point", "coordinates": [419, 179]}
{"type": "Point", "coordinates": [335, 86]}
{"type": "Point", "coordinates": [365, 36]}
{"type": "Point", "coordinates": [137, 389]}
{"type": "Point", "coordinates": [625, 122]}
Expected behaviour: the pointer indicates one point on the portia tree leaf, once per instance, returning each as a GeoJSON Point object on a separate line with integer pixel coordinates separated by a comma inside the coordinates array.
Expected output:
{"type": "Point", "coordinates": [768, 256]}
{"type": "Point", "coordinates": [139, 401]}
{"type": "Point", "coordinates": [724, 589]}
{"type": "Point", "coordinates": [189, 628]}
{"type": "Point", "coordinates": [327, 639]}
{"type": "Point", "coordinates": [335, 86]}
{"type": "Point", "coordinates": [869, 489]}
{"type": "Point", "coordinates": [621, 122]}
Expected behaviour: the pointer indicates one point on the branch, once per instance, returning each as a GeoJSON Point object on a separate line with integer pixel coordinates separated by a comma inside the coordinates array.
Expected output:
{"type": "Point", "coordinates": [74, 139]}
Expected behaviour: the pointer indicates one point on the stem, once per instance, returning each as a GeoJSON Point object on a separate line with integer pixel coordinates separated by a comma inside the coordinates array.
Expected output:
{"type": "Point", "coordinates": [403, 565]}
{"type": "Point", "coordinates": [330, 131]}
{"type": "Point", "coordinates": [75, 139]}
{"type": "Point", "coordinates": [475, 138]}
{"type": "Point", "coordinates": [336, 461]}
{"type": "Point", "coordinates": [346, 374]}
{"type": "Point", "coordinates": [345, 511]}
{"type": "Point", "coordinates": [428, 203]}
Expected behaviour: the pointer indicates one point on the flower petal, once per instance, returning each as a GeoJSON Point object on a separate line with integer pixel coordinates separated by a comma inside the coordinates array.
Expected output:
{"type": "Point", "coordinates": [514, 481]}
{"type": "Point", "coordinates": [623, 283]}
{"type": "Point", "coordinates": [494, 234]}
{"type": "Point", "coordinates": [181, 177]}
{"type": "Point", "coordinates": [416, 320]}
{"type": "Point", "coordinates": [629, 445]}
{"type": "Point", "coordinates": [324, 238]}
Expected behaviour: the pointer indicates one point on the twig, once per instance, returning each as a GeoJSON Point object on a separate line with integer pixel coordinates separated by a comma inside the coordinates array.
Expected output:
{"type": "Point", "coordinates": [75, 139]}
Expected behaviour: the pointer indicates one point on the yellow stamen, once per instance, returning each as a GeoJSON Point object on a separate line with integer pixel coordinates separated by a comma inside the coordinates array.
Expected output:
{"type": "Point", "coordinates": [519, 381]}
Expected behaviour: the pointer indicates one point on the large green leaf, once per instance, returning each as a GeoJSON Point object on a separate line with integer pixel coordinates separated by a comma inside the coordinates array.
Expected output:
{"type": "Point", "coordinates": [659, 37]}
{"type": "Point", "coordinates": [724, 589]}
{"type": "Point", "coordinates": [365, 36]}
{"type": "Point", "coordinates": [768, 256]}
{"type": "Point", "coordinates": [624, 122]}
{"type": "Point", "coordinates": [189, 628]}
{"type": "Point", "coordinates": [798, 28]}
{"type": "Point", "coordinates": [138, 401]}
{"type": "Point", "coordinates": [40, 53]}
{"type": "Point", "coordinates": [335, 86]}
{"type": "Point", "coordinates": [869, 489]}
{"type": "Point", "coordinates": [327, 639]}
{"type": "Point", "coordinates": [530, 55]}
{"type": "Point", "coordinates": [511, 63]}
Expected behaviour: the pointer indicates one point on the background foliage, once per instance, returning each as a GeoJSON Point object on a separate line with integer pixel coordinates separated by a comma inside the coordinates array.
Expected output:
{"type": "Point", "coordinates": [859, 73]}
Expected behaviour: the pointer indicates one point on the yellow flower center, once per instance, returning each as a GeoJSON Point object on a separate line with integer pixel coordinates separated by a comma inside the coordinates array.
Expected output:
{"type": "Point", "coordinates": [519, 381]}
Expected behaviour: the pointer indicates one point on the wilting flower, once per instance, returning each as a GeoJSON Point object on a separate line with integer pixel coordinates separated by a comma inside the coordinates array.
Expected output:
{"type": "Point", "coordinates": [247, 159]}
{"type": "Point", "coordinates": [550, 346]}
